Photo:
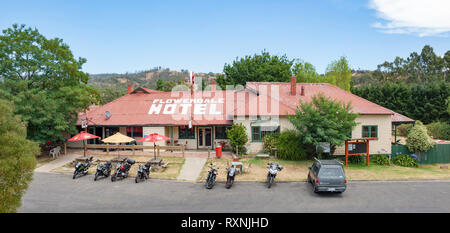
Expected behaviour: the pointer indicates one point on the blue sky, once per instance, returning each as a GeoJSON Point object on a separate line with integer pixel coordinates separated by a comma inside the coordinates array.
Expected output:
{"type": "Point", "coordinates": [127, 36]}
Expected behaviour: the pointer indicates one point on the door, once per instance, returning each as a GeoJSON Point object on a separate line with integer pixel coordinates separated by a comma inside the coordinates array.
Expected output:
{"type": "Point", "coordinates": [204, 137]}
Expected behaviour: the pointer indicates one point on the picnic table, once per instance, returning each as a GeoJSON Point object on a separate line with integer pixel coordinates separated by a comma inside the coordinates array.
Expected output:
{"type": "Point", "coordinates": [155, 161]}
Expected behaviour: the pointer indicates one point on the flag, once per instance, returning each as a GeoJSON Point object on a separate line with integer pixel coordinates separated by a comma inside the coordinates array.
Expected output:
{"type": "Point", "coordinates": [191, 78]}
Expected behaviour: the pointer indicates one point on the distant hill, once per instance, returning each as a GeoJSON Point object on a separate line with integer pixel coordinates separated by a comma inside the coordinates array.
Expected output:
{"type": "Point", "coordinates": [146, 78]}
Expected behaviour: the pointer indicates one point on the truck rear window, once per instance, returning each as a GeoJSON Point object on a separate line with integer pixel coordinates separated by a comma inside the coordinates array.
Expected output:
{"type": "Point", "coordinates": [331, 172]}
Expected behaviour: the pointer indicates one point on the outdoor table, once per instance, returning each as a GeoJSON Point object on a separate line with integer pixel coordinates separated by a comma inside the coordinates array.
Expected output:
{"type": "Point", "coordinates": [236, 164]}
{"type": "Point", "coordinates": [156, 161]}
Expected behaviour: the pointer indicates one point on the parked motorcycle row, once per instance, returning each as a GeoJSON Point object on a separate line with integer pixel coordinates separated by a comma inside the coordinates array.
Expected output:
{"type": "Point", "coordinates": [123, 168]}
{"type": "Point", "coordinates": [231, 173]}
{"type": "Point", "coordinates": [121, 171]}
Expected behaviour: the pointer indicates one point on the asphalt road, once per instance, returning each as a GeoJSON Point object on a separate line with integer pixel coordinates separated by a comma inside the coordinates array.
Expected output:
{"type": "Point", "coordinates": [51, 192]}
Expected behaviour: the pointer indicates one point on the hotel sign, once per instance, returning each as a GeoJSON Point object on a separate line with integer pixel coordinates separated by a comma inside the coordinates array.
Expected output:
{"type": "Point", "coordinates": [184, 106]}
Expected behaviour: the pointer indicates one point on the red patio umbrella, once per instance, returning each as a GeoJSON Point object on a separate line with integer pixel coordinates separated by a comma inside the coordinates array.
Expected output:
{"type": "Point", "coordinates": [154, 137]}
{"type": "Point", "coordinates": [83, 135]}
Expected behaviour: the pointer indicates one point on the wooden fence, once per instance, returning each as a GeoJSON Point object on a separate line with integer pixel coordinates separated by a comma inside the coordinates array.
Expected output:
{"type": "Point", "coordinates": [135, 147]}
{"type": "Point", "coordinates": [440, 153]}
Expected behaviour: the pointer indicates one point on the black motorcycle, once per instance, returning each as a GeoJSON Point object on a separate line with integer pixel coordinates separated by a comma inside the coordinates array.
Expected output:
{"type": "Point", "coordinates": [231, 172]}
{"type": "Point", "coordinates": [82, 168]}
{"type": "Point", "coordinates": [143, 172]}
{"type": "Point", "coordinates": [211, 179]}
{"type": "Point", "coordinates": [272, 173]}
{"type": "Point", "coordinates": [122, 169]}
{"type": "Point", "coordinates": [103, 169]}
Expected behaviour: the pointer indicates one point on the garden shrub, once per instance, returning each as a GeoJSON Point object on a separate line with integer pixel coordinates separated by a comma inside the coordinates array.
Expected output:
{"type": "Point", "coordinates": [381, 160]}
{"type": "Point", "coordinates": [269, 142]}
{"type": "Point", "coordinates": [405, 160]}
{"type": "Point", "coordinates": [439, 130]}
{"type": "Point", "coordinates": [403, 129]}
{"type": "Point", "coordinates": [418, 139]}
{"type": "Point", "coordinates": [238, 138]}
{"type": "Point", "coordinates": [356, 159]}
{"type": "Point", "coordinates": [290, 147]}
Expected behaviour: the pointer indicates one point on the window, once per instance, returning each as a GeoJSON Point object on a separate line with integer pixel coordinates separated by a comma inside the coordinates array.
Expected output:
{"type": "Point", "coordinates": [221, 132]}
{"type": "Point", "coordinates": [370, 131]}
{"type": "Point", "coordinates": [185, 133]}
{"type": "Point", "coordinates": [258, 132]}
{"type": "Point", "coordinates": [134, 131]}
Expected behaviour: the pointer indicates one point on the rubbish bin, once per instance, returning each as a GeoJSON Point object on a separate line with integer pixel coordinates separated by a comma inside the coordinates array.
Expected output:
{"type": "Point", "coordinates": [218, 152]}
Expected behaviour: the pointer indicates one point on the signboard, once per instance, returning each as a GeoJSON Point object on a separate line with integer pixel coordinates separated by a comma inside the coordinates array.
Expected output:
{"type": "Point", "coordinates": [198, 106]}
{"type": "Point", "coordinates": [357, 148]}
{"type": "Point", "coordinates": [84, 124]}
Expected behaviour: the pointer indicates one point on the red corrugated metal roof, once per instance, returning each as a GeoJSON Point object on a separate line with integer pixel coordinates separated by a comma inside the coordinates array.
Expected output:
{"type": "Point", "coordinates": [133, 108]}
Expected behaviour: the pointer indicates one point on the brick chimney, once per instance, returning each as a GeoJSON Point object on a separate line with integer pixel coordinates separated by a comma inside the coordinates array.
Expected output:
{"type": "Point", "coordinates": [130, 88]}
{"type": "Point", "coordinates": [293, 85]}
{"type": "Point", "coordinates": [213, 85]}
{"type": "Point", "coordinates": [302, 93]}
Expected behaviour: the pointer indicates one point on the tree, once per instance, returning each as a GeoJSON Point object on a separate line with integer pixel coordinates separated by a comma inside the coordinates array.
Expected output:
{"type": "Point", "coordinates": [109, 94]}
{"type": "Point", "coordinates": [340, 73]}
{"type": "Point", "coordinates": [44, 81]}
{"type": "Point", "coordinates": [324, 120]}
{"type": "Point", "coordinates": [238, 138]}
{"type": "Point", "coordinates": [257, 68]}
{"type": "Point", "coordinates": [418, 139]}
{"type": "Point", "coordinates": [17, 158]}
{"type": "Point", "coordinates": [305, 72]}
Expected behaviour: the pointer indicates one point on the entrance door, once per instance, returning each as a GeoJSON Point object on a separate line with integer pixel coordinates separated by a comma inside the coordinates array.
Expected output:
{"type": "Point", "coordinates": [204, 137]}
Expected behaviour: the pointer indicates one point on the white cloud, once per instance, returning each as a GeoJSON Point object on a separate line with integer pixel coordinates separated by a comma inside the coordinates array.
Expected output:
{"type": "Point", "coordinates": [419, 17]}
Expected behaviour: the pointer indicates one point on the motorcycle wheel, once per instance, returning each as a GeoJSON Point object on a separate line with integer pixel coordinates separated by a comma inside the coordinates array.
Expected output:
{"type": "Point", "coordinates": [113, 177]}
{"type": "Point", "coordinates": [138, 178]}
{"type": "Point", "coordinates": [229, 183]}
{"type": "Point", "coordinates": [209, 183]}
{"type": "Point", "coordinates": [75, 173]}
{"type": "Point", "coordinates": [96, 176]}
{"type": "Point", "coordinates": [270, 181]}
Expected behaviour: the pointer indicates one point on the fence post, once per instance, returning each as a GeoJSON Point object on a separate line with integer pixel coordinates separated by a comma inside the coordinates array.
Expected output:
{"type": "Point", "coordinates": [107, 148]}
{"type": "Point", "coordinates": [182, 150]}
{"type": "Point", "coordinates": [157, 150]}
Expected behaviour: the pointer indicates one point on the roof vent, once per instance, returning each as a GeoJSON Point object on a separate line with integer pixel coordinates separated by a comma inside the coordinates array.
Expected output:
{"type": "Point", "coordinates": [107, 115]}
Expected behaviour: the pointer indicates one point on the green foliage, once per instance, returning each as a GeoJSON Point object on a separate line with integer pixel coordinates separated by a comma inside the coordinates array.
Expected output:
{"type": "Point", "coordinates": [439, 130]}
{"type": "Point", "coordinates": [44, 81]}
{"type": "Point", "coordinates": [425, 102]}
{"type": "Point", "coordinates": [405, 160]}
{"type": "Point", "coordinates": [109, 94]}
{"type": "Point", "coordinates": [257, 68]}
{"type": "Point", "coordinates": [403, 129]}
{"type": "Point", "coordinates": [290, 146]}
{"type": "Point", "coordinates": [356, 159]}
{"type": "Point", "coordinates": [418, 139]}
{"type": "Point", "coordinates": [17, 158]}
{"type": "Point", "coordinates": [381, 160]}
{"type": "Point", "coordinates": [323, 120]}
{"type": "Point", "coordinates": [339, 73]}
{"type": "Point", "coordinates": [417, 68]}
{"type": "Point", "coordinates": [269, 142]}
{"type": "Point", "coordinates": [238, 137]}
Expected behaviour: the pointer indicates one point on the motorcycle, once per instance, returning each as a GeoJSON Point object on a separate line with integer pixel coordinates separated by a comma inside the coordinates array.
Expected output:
{"type": "Point", "coordinates": [82, 168]}
{"type": "Point", "coordinates": [143, 172]}
{"type": "Point", "coordinates": [231, 172]}
{"type": "Point", "coordinates": [272, 173]}
{"type": "Point", "coordinates": [103, 170]}
{"type": "Point", "coordinates": [211, 178]}
{"type": "Point", "coordinates": [122, 169]}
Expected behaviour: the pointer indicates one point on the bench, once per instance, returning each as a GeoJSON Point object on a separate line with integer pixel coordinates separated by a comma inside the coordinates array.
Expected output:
{"type": "Point", "coordinates": [164, 165]}
{"type": "Point", "coordinates": [55, 152]}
